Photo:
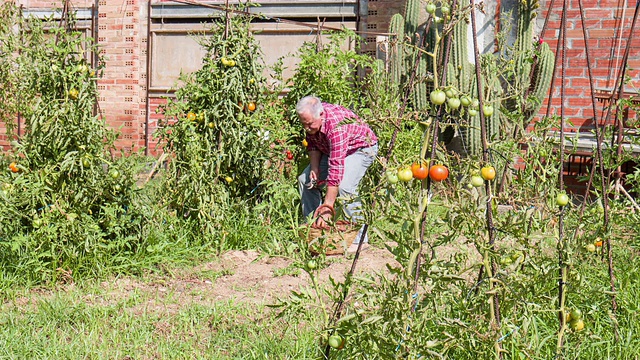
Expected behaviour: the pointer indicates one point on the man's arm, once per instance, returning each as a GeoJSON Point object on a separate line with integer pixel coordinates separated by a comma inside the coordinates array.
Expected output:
{"type": "Point", "coordinates": [314, 164]}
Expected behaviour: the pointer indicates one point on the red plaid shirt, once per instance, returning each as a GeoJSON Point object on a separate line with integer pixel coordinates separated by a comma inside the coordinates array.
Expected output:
{"type": "Point", "coordinates": [342, 134]}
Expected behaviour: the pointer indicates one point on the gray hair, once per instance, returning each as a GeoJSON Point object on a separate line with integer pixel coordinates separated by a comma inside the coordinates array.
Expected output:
{"type": "Point", "coordinates": [311, 105]}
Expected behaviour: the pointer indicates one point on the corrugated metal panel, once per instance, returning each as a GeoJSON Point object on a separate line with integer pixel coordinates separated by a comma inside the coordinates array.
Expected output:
{"type": "Point", "coordinates": [335, 9]}
{"type": "Point", "coordinates": [80, 14]}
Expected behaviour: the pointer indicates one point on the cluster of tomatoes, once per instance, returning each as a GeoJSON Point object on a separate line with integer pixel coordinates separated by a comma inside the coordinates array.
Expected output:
{"type": "Point", "coordinates": [454, 100]}
{"type": "Point", "coordinates": [487, 173]}
{"type": "Point", "coordinates": [418, 171]}
{"type": "Point", "coordinates": [597, 243]}
{"type": "Point", "coordinates": [14, 167]}
{"type": "Point", "coordinates": [574, 318]}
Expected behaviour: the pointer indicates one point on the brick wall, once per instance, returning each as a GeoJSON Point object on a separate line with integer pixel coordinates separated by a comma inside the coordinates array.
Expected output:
{"type": "Point", "coordinates": [122, 99]}
{"type": "Point", "coordinates": [607, 31]}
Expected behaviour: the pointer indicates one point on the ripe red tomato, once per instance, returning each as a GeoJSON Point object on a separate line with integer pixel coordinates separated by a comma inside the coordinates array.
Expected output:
{"type": "Point", "coordinates": [438, 173]}
{"type": "Point", "coordinates": [14, 167]}
{"type": "Point", "coordinates": [419, 171]}
{"type": "Point", "coordinates": [289, 155]}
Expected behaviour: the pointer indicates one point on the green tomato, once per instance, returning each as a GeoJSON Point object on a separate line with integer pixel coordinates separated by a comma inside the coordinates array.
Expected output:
{"type": "Point", "coordinates": [431, 8]}
{"type": "Point", "coordinates": [336, 341]}
{"type": "Point", "coordinates": [575, 314]}
{"type": "Point", "coordinates": [438, 97]}
{"type": "Point", "coordinates": [487, 110]}
{"type": "Point", "coordinates": [590, 248]}
{"type": "Point", "coordinates": [114, 174]}
{"type": "Point", "coordinates": [450, 92]}
{"type": "Point", "coordinates": [475, 103]}
{"type": "Point", "coordinates": [392, 177]}
{"type": "Point", "coordinates": [453, 103]}
{"type": "Point", "coordinates": [472, 112]}
{"type": "Point", "coordinates": [477, 181]}
{"type": "Point", "coordinates": [445, 10]}
{"type": "Point", "coordinates": [311, 264]}
{"type": "Point", "coordinates": [405, 174]}
{"type": "Point", "coordinates": [465, 101]}
{"type": "Point", "coordinates": [562, 199]}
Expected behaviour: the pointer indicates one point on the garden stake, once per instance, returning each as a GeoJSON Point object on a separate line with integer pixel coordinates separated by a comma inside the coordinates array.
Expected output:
{"type": "Point", "coordinates": [495, 300]}
{"type": "Point", "coordinates": [561, 245]}
{"type": "Point", "coordinates": [599, 137]}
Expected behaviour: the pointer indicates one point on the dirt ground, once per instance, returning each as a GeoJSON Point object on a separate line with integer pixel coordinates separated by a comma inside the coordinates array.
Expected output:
{"type": "Point", "coordinates": [247, 276]}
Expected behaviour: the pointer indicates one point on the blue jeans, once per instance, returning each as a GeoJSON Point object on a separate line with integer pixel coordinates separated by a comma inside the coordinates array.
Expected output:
{"type": "Point", "coordinates": [355, 166]}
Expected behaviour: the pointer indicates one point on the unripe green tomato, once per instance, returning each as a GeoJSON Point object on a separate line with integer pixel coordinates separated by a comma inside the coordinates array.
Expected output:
{"type": "Point", "coordinates": [576, 314]}
{"type": "Point", "coordinates": [445, 10]}
{"type": "Point", "coordinates": [562, 199]}
{"type": "Point", "coordinates": [465, 101]}
{"type": "Point", "coordinates": [450, 92]}
{"type": "Point", "coordinates": [438, 97]}
{"type": "Point", "coordinates": [431, 8]}
{"type": "Point", "coordinates": [392, 177]}
{"type": "Point", "coordinates": [336, 341]}
{"type": "Point", "coordinates": [477, 181]}
{"type": "Point", "coordinates": [487, 110]}
{"type": "Point", "coordinates": [311, 264]}
{"type": "Point", "coordinates": [453, 103]}
{"type": "Point", "coordinates": [475, 103]}
{"type": "Point", "coordinates": [405, 174]}
{"type": "Point", "coordinates": [590, 248]}
{"type": "Point", "coordinates": [472, 112]}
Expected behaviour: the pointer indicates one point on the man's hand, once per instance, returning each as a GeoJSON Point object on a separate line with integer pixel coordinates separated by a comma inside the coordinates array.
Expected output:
{"type": "Point", "coordinates": [322, 215]}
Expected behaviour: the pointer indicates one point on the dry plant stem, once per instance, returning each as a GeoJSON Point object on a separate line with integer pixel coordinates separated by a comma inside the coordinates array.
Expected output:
{"type": "Point", "coordinates": [561, 245]}
{"type": "Point", "coordinates": [495, 300]}
{"type": "Point", "coordinates": [599, 138]}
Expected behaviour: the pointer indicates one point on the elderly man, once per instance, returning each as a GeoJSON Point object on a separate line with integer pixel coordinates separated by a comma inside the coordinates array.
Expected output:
{"type": "Point", "coordinates": [341, 148]}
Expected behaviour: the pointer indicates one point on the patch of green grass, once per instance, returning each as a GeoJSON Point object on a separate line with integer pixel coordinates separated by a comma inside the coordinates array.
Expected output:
{"type": "Point", "coordinates": [107, 323]}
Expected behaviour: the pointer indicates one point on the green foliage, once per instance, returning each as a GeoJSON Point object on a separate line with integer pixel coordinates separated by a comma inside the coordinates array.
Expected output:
{"type": "Point", "coordinates": [221, 131]}
{"type": "Point", "coordinates": [330, 72]}
{"type": "Point", "coordinates": [72, 202]}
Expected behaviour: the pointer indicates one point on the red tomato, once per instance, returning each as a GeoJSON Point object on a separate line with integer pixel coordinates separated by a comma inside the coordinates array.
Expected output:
{"type": "Point", "coordinates": [289, 155]}
{"type": "Point", "coordinates": [438, 172]}
{"type": "Point", "coordinates": [419, 171]}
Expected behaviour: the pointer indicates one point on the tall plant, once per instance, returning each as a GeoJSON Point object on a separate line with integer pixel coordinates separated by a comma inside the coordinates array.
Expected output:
{"type": "Point", "coordinates": [67, 196]}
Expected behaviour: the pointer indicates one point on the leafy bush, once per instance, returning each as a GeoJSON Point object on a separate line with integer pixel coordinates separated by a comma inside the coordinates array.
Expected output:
{"type": "Point", "coordinates": [70, 198]}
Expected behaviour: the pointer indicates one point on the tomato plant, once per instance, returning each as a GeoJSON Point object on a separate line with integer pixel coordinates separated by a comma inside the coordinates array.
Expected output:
{"type": "Point", "coordinates": [438, 173]}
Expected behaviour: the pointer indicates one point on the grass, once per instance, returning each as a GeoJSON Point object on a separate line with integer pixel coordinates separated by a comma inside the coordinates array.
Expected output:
{"type": "Point", "coordinates": [105, 322]}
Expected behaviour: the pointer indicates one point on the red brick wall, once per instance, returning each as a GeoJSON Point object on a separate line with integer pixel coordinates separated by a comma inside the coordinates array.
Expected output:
{"type": "Point", "coordinates": [122, 35]}
{"type": "Point", "coordinates": [608, 27]}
